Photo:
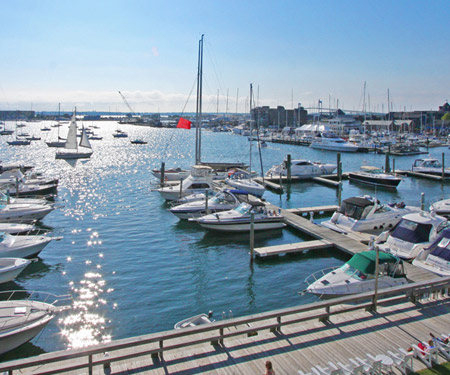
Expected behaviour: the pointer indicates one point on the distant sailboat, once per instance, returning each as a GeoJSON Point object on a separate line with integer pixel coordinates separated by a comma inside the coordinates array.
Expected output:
{"type": "Point", "coordinates": [72, 144]}
{"type": "Point", "coordinates": [60, 142]}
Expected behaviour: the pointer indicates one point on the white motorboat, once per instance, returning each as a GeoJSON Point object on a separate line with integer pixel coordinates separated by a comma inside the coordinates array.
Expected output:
{"type": "Point", "coordinates": [23, 213]}
{"type": "Point", "coordinates": [223, 201]}
{"type": "Point", "coordinates": [302, 168]}
{"type": "Point", "coordinates": [195, 321]}
{"type": "Point", "coordinates": [198, 181]}
{"type": "Point", "coordinates": [175, 174]}
{"type": "Point", "coordinates": [22, 246]}
{"type": "Point", "coordinates": [4, 198]}
{"type": "Point", "coordinates": [375, 176]}
{"type": "Point", "coordinates": [21, 320]}
{"type": "Point", "coordinates": [441, 207]}
{"type": "Point", "coordinates": [238, 219]}
{"type": "Point", "coordinates": [22, 190]}
{"type": "Point", "coordinates": [241, 180]}
{"type": "Point", "coordinates": [413, 233]}
{"type": "Point", "coordinates": [357, 275]}
{"type": "Point", "coordinates": [430, 166]}
{"type": "Point", "coordinates": [436, 257]}
{"type": "Point", "coordinates": [12, 176]}
{"type": "Point", "coordinates": [367, 214]}
{"type": "Point", "coordinates": [15, 228]}
{"type": "Point", "coordinates": [72, 143]}
{"type": "Point", "coordinates": [11, 267]}
{"type": "Point", "coordinates": [331, 142]}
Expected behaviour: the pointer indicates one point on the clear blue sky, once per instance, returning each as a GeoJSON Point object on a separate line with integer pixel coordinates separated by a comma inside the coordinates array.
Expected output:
{"type": "Point", "coordinates": [83, 52]}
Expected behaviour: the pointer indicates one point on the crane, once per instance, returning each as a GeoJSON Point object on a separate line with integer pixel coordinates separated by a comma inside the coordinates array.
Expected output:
{"type": "Point", "coordinates": [127, 104]}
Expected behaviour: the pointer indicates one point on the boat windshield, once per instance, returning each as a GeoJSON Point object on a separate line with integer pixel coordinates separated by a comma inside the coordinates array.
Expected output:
{"type": "Point", "coordinates": [412, 232]}
{"type": "Point", "coordinates": [354, 273]}
{"type": "Point", "coordinates": [243, 208]}
{"type": "Point", "coordinates": [354, 211]}
{"type": "Point", "coordinates": [222, 198]}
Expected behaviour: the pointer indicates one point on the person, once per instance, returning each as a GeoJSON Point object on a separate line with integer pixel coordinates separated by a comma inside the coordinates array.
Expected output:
{"type": "Point", "coordinates": [269, 369]}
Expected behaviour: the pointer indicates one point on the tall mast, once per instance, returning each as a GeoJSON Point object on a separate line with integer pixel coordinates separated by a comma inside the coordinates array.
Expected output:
{"type": "Point", "coordinates": [251, 126]}
{"type": "Point", "coordinates": [237, 99]}
{"type": "Point", "coordinates": [198, 116]}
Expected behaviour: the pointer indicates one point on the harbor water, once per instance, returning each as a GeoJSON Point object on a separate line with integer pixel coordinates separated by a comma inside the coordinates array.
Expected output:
{"type": "Point", "coordinates": [133, 268]}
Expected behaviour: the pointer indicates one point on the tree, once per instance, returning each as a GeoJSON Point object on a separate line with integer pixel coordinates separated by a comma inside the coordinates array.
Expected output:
{"type": "Point", "coordinates": [446, 117]}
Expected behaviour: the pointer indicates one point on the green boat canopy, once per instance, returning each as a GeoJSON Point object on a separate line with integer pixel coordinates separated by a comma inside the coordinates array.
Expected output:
{"type": "Point", "coordinates": [365, 261]}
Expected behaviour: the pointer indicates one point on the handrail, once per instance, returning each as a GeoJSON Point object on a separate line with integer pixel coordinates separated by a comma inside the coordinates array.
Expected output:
{"type": "Point", "coordinates": [322, 308]}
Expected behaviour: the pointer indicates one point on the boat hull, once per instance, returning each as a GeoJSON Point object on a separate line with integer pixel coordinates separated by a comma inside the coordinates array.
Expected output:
{"type": "Point", "coordinates": [73, 155]}
{"type": "Point", "coordinates": [384, 182]}
{"type": "Point", "coordinates": [24, 217]}
{"type": "Point", "coordinates": [26, 249]}
{"type": "Point", "coordinates": [12, 268]}
{"type": "Point", "coordinates": [242, 226]}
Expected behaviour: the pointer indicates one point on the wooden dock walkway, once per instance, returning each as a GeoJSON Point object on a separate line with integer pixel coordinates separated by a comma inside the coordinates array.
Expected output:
{"type": "Point", "coordinates": [294, 339]}
{"type": "Point", "coordinates": [422, 175]}
{"type": "Point", "coordinates": [316, 209]}
{"type": "Point", "coordinates": [292, 248]}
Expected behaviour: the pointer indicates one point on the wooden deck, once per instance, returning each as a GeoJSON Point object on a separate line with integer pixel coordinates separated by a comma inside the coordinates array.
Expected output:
{"type": "Point", "coordinates": [316, 209]}
{"type": "Point", "coordinates": [292, 248]}
{"type": "Point", "coordinates": [293, 339]}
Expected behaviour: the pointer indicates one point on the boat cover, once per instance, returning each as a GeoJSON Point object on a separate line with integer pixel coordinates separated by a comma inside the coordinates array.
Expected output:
{"type": "Point", "coordinates": [365, 261]}
{"type": "Point", "coordinates": [411, 231]}
{"type": "Point", "coordinates": [358, 201]}
{"type": "Point", "coordinates": [441, 246]}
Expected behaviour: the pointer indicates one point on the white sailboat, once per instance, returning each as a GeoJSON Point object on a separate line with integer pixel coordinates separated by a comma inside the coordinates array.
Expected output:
{"type": "Point", "coordinates": [60, 142]}
{"type": "Point", "coordinates": [72, 144]}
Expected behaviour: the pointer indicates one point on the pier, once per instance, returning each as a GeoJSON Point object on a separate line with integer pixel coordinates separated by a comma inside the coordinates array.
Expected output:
{"type": "Point", "coordinates": [294, 339]}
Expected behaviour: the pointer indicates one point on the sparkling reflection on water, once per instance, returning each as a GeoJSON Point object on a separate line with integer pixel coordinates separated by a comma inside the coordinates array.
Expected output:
{"type": "Point", "coordinates": [133, 268]}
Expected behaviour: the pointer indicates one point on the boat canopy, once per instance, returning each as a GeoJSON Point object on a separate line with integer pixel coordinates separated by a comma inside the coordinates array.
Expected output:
{"type": "Point", "coordinates": [411, 231]}
{"type": "Point", "coordinates": [441, 246]}
{"type": "Point", "coordinates": [365, 261]}
{"type": "Point", "coordinates": [355, 207]}
{"type": "Point", "coordinates": [359, 201]}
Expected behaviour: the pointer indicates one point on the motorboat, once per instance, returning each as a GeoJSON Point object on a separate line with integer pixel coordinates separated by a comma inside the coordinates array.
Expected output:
{"type": "Point", "coordinates": [120, 134]}
{"type": "Point", "coordinates": [302, 169]}
{"type": "Point", "coordinates": [15, 228]}
{"type": "Point", "coordinates": [22, 190]}
{"type": "Point", "coordinates": [413, 233]}
{"type": "Point", "coordinates": [224, 200]}
{"type": "Point", "coordinates": [367, 214]}
{"type": "Point", "coordinates": [375, 176]}
{"type": "Point", "coordinates": [22, 319]}
{"type": "Point", "coordinates": [242, 180]}
{"type": "Point", "coordinates": [195, 321]}
{"type": "Point", "coordinates": [199, 180]}
{"type": "Point", "coordinates": [358, 275]}
{"type": "Point", "coordinates": [16, 175]}
{"type": "Point", "coordinates": [174, 174]}
{"type": "Point", "coordinates": [19, 142]}
{"type": "Point", "coordinates": [23, 213]}
{"type": "Point", "coordinates": [239, 219]}
{"type": "Point", "coordinates": [22, 246]}
{"type": "Point", "coordinates": [430, 166]}
{"type": "Point", "coordinates": [11, 267]}
{"type": "Point", "coordinates": [5, 198]}
{"type": "Point", "coordinates": [441, 207]}
{"type": "Point", "coordinates": [138, 142]}
{"type": "Point", "coordinates": [85, 150]}
{"type": "Point", "coordinates": [436, 257]}
{"type": "Point", "coordinates": [331, 142]}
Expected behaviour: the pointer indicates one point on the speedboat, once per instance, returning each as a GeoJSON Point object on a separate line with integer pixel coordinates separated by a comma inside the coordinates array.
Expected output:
{"type": "Point", "coordinates": [21, 320]}
{"type": "Point", "coordinates": [375, 176]}
{"type": "Point", "coordinates": [15, 228]}
{"type": "Point", "coordinates": [436, 257]}
{"type": "Point", "coordinates": [332, 142]}
{"type": "Point", "coordinates": [195, 321]}
{"type": "Point", "coordinates": [120, 134]}
{"type": "Point", "coordinates": [241, 180]}
{"type": "Point", "coordinates": [441, 207]}
{"type": "Point", "coordinates": [413, 233]}
{"type": "Point", "coordinates": [4, 198]}
{"type": "Point", "coordinates": [11, 267]}
{"type": "Point", "coordinates": [430, 166]}
{"type": "Point", "coordinates": [22, 246]}
{"type": "Point", "coordinates": [138, 142]}
{"type": "Point", "coordinates": [22, 190]}
{"type": "Point", "coordinates": [302, 168]}
{"type": "Point", "coordinates": [223, 201]}
{"type": "Point", "coordinates": [239, 219]}
{"type": "Point", "coordinates": [13, 175]}
{"type": "Point", "coordinates": [367, 214]}
{"type": "Point", "coordinates": [357, 275]}
{"type": "Point", "coordinates": [175, 174]}
{"type": "Point", "coordinates": [23, 213]}
{"type": "Point", "coordinates": [198, 181]}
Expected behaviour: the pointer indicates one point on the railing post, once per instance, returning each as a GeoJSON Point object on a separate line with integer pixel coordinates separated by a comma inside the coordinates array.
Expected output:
{"type": "Point", "coordinates": [90, 364]}
{"type": "Point", "coordinates": [326, 318]}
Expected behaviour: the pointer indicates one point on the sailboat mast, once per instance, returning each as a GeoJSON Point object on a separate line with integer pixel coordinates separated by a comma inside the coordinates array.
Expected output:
{"type": "Point", "coordinates": [198, 139]}
{"type": "Point", "coordinates": [251, 126]}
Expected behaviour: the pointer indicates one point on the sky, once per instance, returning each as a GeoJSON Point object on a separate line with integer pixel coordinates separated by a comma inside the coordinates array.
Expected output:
{"type": "Point", "coordinates": [82, 53]}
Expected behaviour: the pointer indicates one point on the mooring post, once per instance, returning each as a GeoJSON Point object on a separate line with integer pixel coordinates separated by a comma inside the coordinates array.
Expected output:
{"type": "Point", "coordinates": [206, 201]}
{"type": "Point", "coordinates": [163, 172]}
{"type": "Point", "coordinates": [339, 193]}
{"type": "Point", "coordinates": [443, 166]}
{"type": "Point", "coordinates": [311, 217]}
{"type": "Point", "coordinates": [339, 166]}
{"type": "Point", "coordinates": [17, 187]}
{"type": "Point", "coordinates": [393, 165]}
{"type": "Point", "coordinates": [288, 167]}
{"type": "Point", "coordinates": [8, 200]}
{"type": "Point", "coordinates": [422, 201]}
{"type": "Point", "coordinates": [252, 236]}
{"type": "Point", "coordinates": [387, 166]}
{"type": "Point", "coordinates": [181, 188]}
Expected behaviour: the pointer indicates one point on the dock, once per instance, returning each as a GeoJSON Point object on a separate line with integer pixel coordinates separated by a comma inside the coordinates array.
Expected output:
{"type": "Point", "coordinates": [317, 209]}
{"type": "Point", "coordinates": [292, 248]}
{"type": "Point", "coordinates": [422, 175]}
{"type": "Point", "coordinates": [294, 339]}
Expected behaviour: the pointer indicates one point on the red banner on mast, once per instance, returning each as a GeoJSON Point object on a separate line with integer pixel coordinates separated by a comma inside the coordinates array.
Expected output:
{"type": "Point", "coordinates": [183, 123]}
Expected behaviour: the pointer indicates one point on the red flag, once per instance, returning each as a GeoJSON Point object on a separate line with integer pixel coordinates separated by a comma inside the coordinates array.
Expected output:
{"type": "Point", "coordinates": [183, 123]}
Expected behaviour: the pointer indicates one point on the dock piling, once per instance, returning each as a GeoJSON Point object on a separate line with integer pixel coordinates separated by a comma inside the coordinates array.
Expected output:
{"type": "Point", "coordinates": [387, 166]}
{"type": "Point", "coordinates": [422, 201]}
{"type": "Point", "coordinates": [252, 237]}
{"type": "Point", "coordinates": [181, 188]}
{"type": "Point", "coordinates": [206, 201]}
{"type": "Point", "coordinates": [339, 166]}
{"type": "Point", "coordinates": [443, 167]}
{"type": "Point", "coordinates": [288, 167]}
{"type": "Point", "coordinates": [163, 172]}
